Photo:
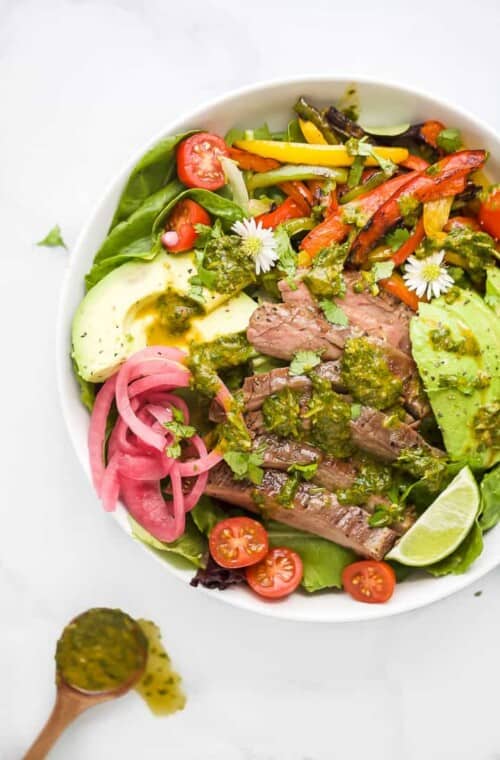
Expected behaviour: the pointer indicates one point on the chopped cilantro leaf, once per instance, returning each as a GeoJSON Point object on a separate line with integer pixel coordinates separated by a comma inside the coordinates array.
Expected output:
{"type": "Point", "coordinates": [287, 258]}
{"type": "Point", "coordinates": [396, 238]}
{"type": "Point", "coordinates": [381, 270]}
{"type": "Point", "coordinates": [304, 361]}
{"type": "Point", "coordinates": [53, 239]}
{"type": "Point", "coordinates": [355, 411]}
{"type": "Point", "coordinates": [449, 140]}
{"type": "Point", "coordinates": [179, 432]}
{"type": "Point", "coordinates": [307, 471]}
{"type": "Point", "coordinates": [246, 464]}
{"type": "Point", "coordinates": [334, 313]}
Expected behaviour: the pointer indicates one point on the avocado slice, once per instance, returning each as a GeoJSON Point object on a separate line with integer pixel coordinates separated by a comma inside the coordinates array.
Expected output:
{"type": "Point", "coordinates": [456, 346]}
{"type": "Point", "coordinates": [115, 318]}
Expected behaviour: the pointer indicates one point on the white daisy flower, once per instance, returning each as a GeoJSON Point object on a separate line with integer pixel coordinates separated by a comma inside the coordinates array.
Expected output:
{"type": "Point", "coordinates": [427, 277]}
{"type": "Point", "coordinates": [258, 243]}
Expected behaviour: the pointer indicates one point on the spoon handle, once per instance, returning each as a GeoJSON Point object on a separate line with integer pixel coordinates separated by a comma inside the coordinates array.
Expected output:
{"type": "Point", "coordinates": [67, 707]}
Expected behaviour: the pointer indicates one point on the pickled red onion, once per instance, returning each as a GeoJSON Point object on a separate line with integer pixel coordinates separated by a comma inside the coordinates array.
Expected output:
{"type": "Point", "coordinates": [137, 458]}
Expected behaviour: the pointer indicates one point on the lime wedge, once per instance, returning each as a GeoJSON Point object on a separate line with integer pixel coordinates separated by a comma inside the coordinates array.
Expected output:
{"type": "Point", "coordinates": [443, 525]}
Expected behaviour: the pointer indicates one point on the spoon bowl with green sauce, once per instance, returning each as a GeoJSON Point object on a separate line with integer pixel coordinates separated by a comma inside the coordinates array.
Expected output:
{"type": "Point", "coordinates": [102, 654]}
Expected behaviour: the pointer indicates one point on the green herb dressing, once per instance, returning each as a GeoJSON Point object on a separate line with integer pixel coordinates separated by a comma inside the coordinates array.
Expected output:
{"type": "Point", "coordinates": [367, 376]}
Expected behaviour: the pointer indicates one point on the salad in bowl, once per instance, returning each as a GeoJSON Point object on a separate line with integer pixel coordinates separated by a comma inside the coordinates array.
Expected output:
{"type": "Point", "coordinates": [289, 348]}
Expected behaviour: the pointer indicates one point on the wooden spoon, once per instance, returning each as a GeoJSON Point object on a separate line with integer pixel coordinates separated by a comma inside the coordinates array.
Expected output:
{"type": "Point", "coordinates": [70, 703]}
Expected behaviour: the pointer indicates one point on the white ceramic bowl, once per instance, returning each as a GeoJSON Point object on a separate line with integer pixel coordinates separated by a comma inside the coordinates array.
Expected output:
{"type": "Point", "coordinates": [380, 104]}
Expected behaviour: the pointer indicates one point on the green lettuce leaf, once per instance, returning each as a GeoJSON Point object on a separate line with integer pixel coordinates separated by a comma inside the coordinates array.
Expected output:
{"type": "Point", "coordinates": [490, 499]}
{"type": "Point", "coordinates": [206, 514]}
{"type": "Point", "coordinates": [132, 238]}
{"type": "Point", "coordinates": [87, 390]}
{"type": "Point", "coordinates": [323, 560]}
{"type": "Point", "coordinates": [152, 172]}
{"type": "Point", "coordinates": [222, 208]}
{"type": "Point", "coordinates": [190, 548]}
{"type": "Point", "coordinates": [463, 557]}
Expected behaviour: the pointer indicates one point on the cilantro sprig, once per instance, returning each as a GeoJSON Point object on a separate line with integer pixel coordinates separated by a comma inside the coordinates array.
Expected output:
{"type": "Point", "coordinates": [53, 239]}
{"type": "Point", "coordinates": [246, 464]}
{"type": "Point", "coordinates": [334, 313]}
{"type": "Point", "coordinates": [180, 431]}
{"type": "Point", "coordinates": [304, 361]}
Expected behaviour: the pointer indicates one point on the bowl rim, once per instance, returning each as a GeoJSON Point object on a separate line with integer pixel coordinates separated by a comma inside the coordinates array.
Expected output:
{"type": "Point", "coordinates": [360, 612]}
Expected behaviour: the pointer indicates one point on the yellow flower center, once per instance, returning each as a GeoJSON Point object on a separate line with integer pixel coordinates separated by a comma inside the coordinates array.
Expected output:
{"type": "Point", "coordinates": [431, 272]}
{"type": "Point", "coordinates": [252, 246]}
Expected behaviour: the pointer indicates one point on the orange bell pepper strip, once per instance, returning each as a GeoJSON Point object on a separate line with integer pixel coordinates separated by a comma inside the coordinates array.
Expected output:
{"type": "Point", "coordinates": [430, 131]}
{"type": "Point", "coordinates": [368, 204]}
{"type": "Point", "coordinates": [396, 286]}
{"type": "Point", "coordinates": [446, 178]}
{"type": "Point", "coordinates": [416, 163]}
{"type": "Point", "coordinates": [410, 246]}
{"type": "Point", "coordinates": [286, 210]}
{"type": "Point", "coordinates": [251, 162]}
{"type": "Point", "coordinates": [300, 193]}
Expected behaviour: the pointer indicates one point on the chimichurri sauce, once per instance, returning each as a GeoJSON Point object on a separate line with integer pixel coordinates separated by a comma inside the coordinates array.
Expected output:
{"type": "Point", "coordinates": [367, 376]}
{"type": "Point", "coordinates": [100, 650]}
{"type": "Point", "coordinates": [160, 685]}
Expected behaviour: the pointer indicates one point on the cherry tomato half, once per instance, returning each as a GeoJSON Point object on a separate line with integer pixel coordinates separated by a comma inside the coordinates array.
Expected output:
{"type": "Point", "coordinates": [369, 581]}
{"type": "Point", "coordinates": [238, 542]}
{"type": "Point", "coordinates": [198, 162]}
{"type": "Point", "coordinates": [181, 221]}
{"type": "Point", "coordinates": [277, 575]}
{"type": "Point", "coordinates": [489, 213]}
{"type": "Point", "coordinates": [461, 222]}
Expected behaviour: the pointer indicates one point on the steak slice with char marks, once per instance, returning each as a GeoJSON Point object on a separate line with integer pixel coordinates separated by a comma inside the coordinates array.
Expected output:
{"type": "Point", "coordinates": [282, 329]}
{"type": "Point", "coordinates": [382, 316]}
{"type": "Point", "coordinates": [332, 474]}
{"type": "Point", "coordinates": [313, 510]}
{"type": "Point", "coordinates": [372, 432]}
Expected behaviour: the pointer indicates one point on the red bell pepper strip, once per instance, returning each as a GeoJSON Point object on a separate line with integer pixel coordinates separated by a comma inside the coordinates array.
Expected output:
{"type": "Point", "coordinates": [425, 186]}
{"type": "Point", "coordinates": [415, 162]}
{"type": "Point", "coordinates": [332, 230]}
{"type": "Point", "coordinates": [286, 210]}
{"type": "Point", "coordinates": [368, 204]}
{"type": "Point", "coordinates": [410, 245]}
{"type": "Point", "coordinates": [251, 162]}
{"type": "Point", "coordinates": [396, 285]}
{"type": "Point", "coordinates": [300, 194]}
{"type": "Point", "coordinates": [335, 230]}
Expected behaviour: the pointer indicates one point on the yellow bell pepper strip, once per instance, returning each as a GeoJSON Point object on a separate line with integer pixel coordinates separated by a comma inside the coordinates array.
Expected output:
{"type": "Point", "coordinates": [318, 155]}
{"type": "Point", "coordinates": [293, 173]}
{"type": "Point", "coordinates": [435, 214]}
{"type": "Point", "coordinates": [311, 133]}
{"type": "Point", "coordinates": [307, 112]}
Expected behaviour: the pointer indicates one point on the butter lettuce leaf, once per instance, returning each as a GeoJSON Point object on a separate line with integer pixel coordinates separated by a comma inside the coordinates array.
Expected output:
{"type": "Point", "coordinates": [463, 557]}
{"type": "Point", "coordinates": [188, 550]}
{"type": "Point", "coordinates": [323, 560]}
{"type": "Point", "coordinates": [153, 171]}
{"type": "Point", "coordinates": [490, 499]}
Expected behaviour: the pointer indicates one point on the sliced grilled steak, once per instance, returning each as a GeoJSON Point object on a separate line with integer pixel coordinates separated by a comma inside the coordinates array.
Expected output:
{"type": "Point", "coordinates": [257, 388]}
{"type": "Point", "coordinates": [332, 474]}
{"type": "Point", "coordinates": [372, 432]}
{"type": "Point", "coordinates": [382, 316]}
{"type": "Point", "coordinates": [300, 294]}
{"type": "Point", "coordinates": [314, 510]}
{"type": "Point", "coordinates": [282, 329]}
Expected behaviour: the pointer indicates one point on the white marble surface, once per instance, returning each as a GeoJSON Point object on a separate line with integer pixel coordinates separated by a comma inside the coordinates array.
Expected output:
{"type": "Point", "coordinates": [82, 84]}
